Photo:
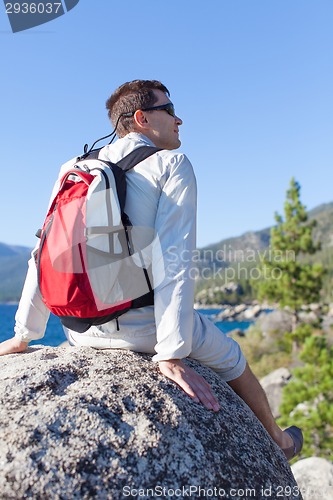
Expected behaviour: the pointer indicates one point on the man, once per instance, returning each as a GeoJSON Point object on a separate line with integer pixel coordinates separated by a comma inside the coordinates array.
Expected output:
{"type": "Point", "coordinates": [161, 195]}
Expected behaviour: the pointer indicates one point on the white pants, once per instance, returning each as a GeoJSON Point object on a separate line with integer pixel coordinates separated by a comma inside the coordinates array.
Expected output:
{"type": "Point", "coordinates": [210, 346]}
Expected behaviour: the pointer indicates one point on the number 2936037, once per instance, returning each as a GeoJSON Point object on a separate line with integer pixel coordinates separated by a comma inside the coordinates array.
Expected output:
{"type": "Point", "coordinates": [33, 8]}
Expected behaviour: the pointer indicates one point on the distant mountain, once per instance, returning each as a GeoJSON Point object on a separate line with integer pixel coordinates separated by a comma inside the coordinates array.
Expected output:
{"type": "Point", "coordinates": [12, 250]}
{"type": "Point", "coordinates": [258, 241]}
{"type": "Point", "coordinates": [324, 230]}
{"type": "Point", "coordinates": [13, 268]}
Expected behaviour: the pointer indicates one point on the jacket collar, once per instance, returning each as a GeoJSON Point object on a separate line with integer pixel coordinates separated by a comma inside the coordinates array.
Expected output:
{"type": "Point", "coordinates": [139, 139]}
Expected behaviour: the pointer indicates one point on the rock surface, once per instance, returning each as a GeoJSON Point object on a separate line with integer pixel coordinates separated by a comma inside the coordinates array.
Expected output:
{"type": "Point", "coordinates": [276, 321]}
{"type": "Point", "coordinates": [81, 423]}
{"type": "Point", "coordinates": [273, 384]}
{"type": "Point", "coordinates": [315, 478]}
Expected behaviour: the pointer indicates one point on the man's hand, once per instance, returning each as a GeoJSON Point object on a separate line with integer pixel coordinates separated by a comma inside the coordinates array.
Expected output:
{"type": "Point", "coordinates": [12, 346]}
{"type": "Point", "coordinates": [190, 381]}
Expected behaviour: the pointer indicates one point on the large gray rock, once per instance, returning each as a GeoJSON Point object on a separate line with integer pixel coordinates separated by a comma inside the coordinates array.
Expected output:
{"type": "Point", "coordinates": [273, 384]}
{"type": "Point", "coordinates": [82, 423]}
{"type": "Point", "coordinates": [275, 321]}
{"type": "Point", "coordinates": [314, 477]}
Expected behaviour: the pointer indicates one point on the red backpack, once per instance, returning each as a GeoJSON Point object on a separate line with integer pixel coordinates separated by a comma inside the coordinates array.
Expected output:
{"type": "Point", "coordinates": [89, 271]}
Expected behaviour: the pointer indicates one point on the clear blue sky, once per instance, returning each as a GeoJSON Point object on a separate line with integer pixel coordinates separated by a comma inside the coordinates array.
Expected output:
{"type": "Point", "coordinates": [251, 79]}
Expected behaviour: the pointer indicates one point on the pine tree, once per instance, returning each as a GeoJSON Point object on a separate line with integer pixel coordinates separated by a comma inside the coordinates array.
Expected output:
{"type": "Point", "coordinates": [288, 279]}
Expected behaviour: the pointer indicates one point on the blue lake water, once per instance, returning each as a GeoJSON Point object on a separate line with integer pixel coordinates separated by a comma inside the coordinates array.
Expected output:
{"type": "Point", "coordinates": [54, 334]}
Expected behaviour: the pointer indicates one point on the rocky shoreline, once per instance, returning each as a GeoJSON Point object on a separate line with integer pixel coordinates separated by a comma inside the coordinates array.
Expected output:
{"type": "Point", "coordinates": [251, 312]}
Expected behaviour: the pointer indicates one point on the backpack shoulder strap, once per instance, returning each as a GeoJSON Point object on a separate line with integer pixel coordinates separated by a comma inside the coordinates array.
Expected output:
{"type": "Point", "coordinates": [129, 161]}
{"type": "Point", "coordinates": [136, 156]}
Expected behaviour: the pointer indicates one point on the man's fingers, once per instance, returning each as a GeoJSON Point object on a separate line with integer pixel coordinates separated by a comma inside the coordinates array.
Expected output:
{"type": "Point", "coordinates": [187, 388]}
{"type": "Point", "coordinates": [195, 392]}
{"type": "Point", "coordinates": [203, 392]}
{"type": "Point", "coordinates": [206, 396]}
{"type": "Point", "coordinates": [193, 384]}
{"type": "Point", "coordinates": [12, 346]}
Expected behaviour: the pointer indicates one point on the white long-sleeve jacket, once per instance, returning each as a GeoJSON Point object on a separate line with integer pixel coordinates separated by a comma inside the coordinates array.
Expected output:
{"type": "Point", "coordinates": [161, 194]}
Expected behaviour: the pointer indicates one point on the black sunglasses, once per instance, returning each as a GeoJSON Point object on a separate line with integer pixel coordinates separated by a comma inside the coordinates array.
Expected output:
{"type": "Point", "coordinates": [169, 108]}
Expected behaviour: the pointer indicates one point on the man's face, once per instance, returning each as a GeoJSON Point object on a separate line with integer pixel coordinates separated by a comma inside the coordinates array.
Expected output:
{"type": "Point", "coordinates": [163, 128]}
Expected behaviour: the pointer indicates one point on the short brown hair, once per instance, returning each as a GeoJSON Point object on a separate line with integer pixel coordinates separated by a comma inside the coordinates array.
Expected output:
{"type": "Point", "coordinates": [129, 97]}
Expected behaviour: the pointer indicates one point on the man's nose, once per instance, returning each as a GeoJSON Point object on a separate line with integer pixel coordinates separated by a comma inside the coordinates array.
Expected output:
{"type": "Point", "coordinates": [179, 121]}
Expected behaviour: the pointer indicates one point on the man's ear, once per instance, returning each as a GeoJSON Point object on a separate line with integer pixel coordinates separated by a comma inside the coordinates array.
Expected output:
{"type": "Point", "coordinates": [140, 119]}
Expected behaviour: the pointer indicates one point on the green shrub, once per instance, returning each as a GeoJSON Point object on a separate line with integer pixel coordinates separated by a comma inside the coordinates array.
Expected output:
{"type": "Point", "coordinates": [265, 353]}
{"type": "Point", "coordinates": [308, 399]}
